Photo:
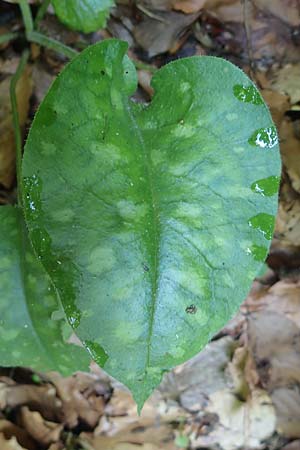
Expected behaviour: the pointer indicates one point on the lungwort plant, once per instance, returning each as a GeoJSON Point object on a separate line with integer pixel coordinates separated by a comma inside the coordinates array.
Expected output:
{"type": "Point", "coordinates": [148, 222]}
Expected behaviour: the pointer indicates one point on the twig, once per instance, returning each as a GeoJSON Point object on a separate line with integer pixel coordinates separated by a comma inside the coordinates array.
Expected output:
{"type": "Point", "coordinates": [41, 12]}
{"type": "Point", "coordinates": [16, 120]}
{"type": "Point", "coordinates": [8, 37]}
{"type": "Point", "coordinates": [248, 38]}
{"type": "Point", "coordinates": [27, 16]}
{"type": "Point", "coordinates": [41, 39]}
{"type": "Point", "coordinates": [48, 42]}
{"type": "Point", "coordinates": [151, 14]}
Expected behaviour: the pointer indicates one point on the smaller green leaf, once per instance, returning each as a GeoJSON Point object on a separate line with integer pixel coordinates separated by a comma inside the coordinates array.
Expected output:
{"type": "Point", "coordinates": [83, 15]}
{"type": "Point", "coordinates": [32, 325]}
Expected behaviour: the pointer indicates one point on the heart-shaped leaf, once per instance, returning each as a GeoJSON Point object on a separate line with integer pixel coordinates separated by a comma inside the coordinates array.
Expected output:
{"type": "Point", "coordinates": [152, 220]}
{"type": "Point", "coordinates": [33, 331]}
{"type": "Point", "coordinates": [83, 15]}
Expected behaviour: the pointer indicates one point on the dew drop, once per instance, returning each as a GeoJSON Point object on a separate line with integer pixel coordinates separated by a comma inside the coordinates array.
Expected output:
{"type": "Point", "coordinates": [264, 223]}
{"type": "Point", "coordinates": [258, 252]}
{"type": "Point", "coordinates": [97, 352]}
{"type": "Point", "coordinates": [74, 320]}
{"type": "Point", "coordinates": [264, 137]}
{"type": "Point", "coordinates": [266, 186]}
{"type": "Point", "coordinates": [247, 94]}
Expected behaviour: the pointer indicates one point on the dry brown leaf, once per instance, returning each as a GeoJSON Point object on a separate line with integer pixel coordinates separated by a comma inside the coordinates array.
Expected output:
{"type": "Point", "coordinates": [242, 424]}
{"type": "Point", "coordinates": [82, 397]}
{"type": "Point", "coordinates": [226, 11]}
{"type": "Point", "coordinates": [156, 5]}
{"type": "Point", "coordinates": [286, 10]}
{"type": "Point", "coordinates": [42, 80]}
{"type": "Point", "coordinates": [202, 375]}
{"type": "Point", "coordinates": [275, 343]}
{"type": "Point", "coordinates": [269, 38]}
{"type": "Point", "coordinates": [57, 446]}
{"type": "Point", "coordinates": [285, 246]}
{"type": "Point", "coordinates": [121, 443]}
{"type": "Point", "coordinates": [287, 81]}
{"type": "Point", "coordinates": [290, 152]}
{"type": "Point", "coordinates": [159, 36]}
{"type": "Point", "coordinates": [295, 445]}
{"type": "Point", "coordinates": [283, 297]}
{"type": "Point", "coordinates": [41, 430]}
{"type": "Point", "coordinates": [10, 444]}
{"type": "Point", "coordinates": [188, 6]}
{"type": "Point", "coordinates": [39, 398]}
{"type": "Point", "coordinates": [286, 401]}
{"type": "Point", "coordinates": [7, 141]}
{"type": "Point", "coordinates": [9, 430]}
{"type": "Point", "coordinates": [278, 103]}
{"type": "Point", "coordinates": [144, 78]}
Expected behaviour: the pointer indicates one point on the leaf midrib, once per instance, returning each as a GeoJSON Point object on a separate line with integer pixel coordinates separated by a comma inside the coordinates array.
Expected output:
{"type": "Point", "coordinates": [155, 226]}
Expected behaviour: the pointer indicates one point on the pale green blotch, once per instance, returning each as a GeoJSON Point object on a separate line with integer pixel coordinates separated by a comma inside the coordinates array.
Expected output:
{"type": "Point", "coordinates": [51, 324]}
{"type": "Point", "coordinates": [109, 151]}
{"type": "Point", "coordinates": [183, 130]}
{"type": "Point", "coordinates": [57, 315]}
{"type": "Point", "coordinates": [49, 301]}
{"type": "Point", "coordinates": [157, 157]}
{"type": "Point", "coordinates": [191, 281]}
{"type": "Point", "coordinates": [116, 98]}
{"type": "Point", "coordinates": [130, 211]}
{"type": "Point", "coordinates": [232, 116]}
{"type": "Point", "coordinates": [5, 263]}
{"type": "Point", "coordinates": [180, 169]}
{"type": "Point", "coordinates": [29, 258]}
{"type": "Point", "coordinates": [32, 281]}
{"type": "Point", "coordinates": [60, 107]}
{"type": "Point", "coordinates": [48, 149]}
{"type": "Point", "coordinates": [128, 331]}
{"type": "Point", "coordinates": [63, 215]}
{"type": "Point", "coordinates": [238, 149]}
{"type": "Point", "coordinates": [184, 87]}
{"type": "Point", "coordinates": [177, 352]}
{"type": "Point", "coordinates": [227, 280]}
{"type": "Point", "coordinates": [101, 260]}
{"type": "Point", "coordinates": [188, 210]}
{"type": "Point", "coordinates": [11, 334]}
{"type": "Point", "coordinates": [122, 292]}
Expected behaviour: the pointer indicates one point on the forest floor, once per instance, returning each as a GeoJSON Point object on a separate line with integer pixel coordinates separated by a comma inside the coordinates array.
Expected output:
{"type": "Point", "coordinates": [243, 390]}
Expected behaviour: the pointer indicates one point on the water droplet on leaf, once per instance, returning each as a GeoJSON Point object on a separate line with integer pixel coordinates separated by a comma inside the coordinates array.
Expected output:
{"type": "Point", "coordinates": [264, 223]}
{"type": "Point", "coordinates": [266, 186]}
{"type": "Point", "coordinates": [264, 137]}
{"type": "Point", "coordinates": [247, 94]}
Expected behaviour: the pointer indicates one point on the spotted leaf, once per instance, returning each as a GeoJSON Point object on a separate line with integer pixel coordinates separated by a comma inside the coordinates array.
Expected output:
{"type": "Point", "coordinates": [147, 217]}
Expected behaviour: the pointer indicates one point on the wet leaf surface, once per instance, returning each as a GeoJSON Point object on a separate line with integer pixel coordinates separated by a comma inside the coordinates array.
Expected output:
{"type": "Point", "coordinates": [125, 232]}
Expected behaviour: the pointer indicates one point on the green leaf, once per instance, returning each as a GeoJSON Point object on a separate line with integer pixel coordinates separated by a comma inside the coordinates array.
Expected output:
{"type": "Point", "coordinates": [28, 334]}
{"type": "Point", "coordinates": [145, 216]}
{"type": "Point", "coordinates": [83, 15]}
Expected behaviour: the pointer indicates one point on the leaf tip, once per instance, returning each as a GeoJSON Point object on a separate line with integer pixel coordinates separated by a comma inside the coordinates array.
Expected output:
{"type": "Point", "coordinates": [142, 388]}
